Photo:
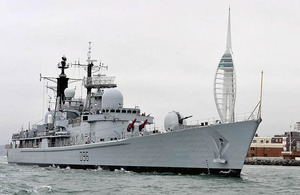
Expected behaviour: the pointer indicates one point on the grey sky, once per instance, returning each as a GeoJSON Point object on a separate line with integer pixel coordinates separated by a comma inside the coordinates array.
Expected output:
{"type": "Point", "coordinates": [163, 52]}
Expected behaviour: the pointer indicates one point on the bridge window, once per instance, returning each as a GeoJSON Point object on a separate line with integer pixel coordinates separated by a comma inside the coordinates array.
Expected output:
{"type": "Point", "coordinates": [72, 115]}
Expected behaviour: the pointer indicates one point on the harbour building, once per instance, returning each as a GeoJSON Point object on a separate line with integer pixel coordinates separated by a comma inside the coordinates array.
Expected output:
{"type": "Point", "coordinates": [225, 83]}
{"type": "Point", "coordinates": [266, 147]}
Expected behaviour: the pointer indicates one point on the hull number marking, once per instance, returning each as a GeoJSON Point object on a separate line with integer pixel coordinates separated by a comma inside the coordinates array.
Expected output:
{"type": "Point", "coordinates": [84, 156]}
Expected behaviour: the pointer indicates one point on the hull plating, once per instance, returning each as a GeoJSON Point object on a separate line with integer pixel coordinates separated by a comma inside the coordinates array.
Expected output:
{"type": "Point", "coordinates": [209, 149]}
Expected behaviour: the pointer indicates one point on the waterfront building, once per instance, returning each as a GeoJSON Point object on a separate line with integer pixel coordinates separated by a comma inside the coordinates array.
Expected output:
{"type": "Point", "coordinates": [292, 144]}
{"type": "Point", "coordinates": [266, 147]}
{"type": "Point", "coordinates": [225, 82]}
{"type": "Point", "coordinates": [286, 145]}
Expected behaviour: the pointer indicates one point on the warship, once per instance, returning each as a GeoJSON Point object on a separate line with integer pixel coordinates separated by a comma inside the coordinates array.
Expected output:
{"type": "Point", "coordinates": [99, 132]}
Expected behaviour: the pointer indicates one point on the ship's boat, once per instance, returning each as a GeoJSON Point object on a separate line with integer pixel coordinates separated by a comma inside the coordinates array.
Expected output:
{"type": "Point", "coordinates": [99, 131]}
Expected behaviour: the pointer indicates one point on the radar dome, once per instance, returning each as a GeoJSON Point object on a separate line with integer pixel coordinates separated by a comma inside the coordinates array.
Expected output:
{"type": "Point", "coordinates": [171, 121]}
{"type": "Point", "coordinates": [49, 117]}
{"type": "Point", "coordinates": [69, 93]}
{"type": "Point", "coordinates": [112, 98]}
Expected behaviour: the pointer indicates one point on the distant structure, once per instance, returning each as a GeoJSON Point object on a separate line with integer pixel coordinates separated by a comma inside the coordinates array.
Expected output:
{"type": "Point", "coordinates": [297, 126]}
{"type": "Point", "coordinates": [225, 83]}
{"type": "Point", "coordinates": [267, 147]}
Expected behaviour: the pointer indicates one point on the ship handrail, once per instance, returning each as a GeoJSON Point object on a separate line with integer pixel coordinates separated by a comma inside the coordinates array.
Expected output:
{"type": "Point", "coordinates": [205, 122]}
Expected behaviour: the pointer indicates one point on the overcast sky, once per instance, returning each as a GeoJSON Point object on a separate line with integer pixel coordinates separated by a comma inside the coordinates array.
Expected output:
{"type": "Point", "coordinates": [164, 54]}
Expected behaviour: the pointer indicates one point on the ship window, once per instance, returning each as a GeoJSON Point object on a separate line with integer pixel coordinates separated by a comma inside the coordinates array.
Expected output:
{"type": "Point", "coordinates": [72, 115]}
{"type": "Point", "coordinates": [134, 111]}
{"type": "Point", "coordinates": [129, 111]}
{"type": "Point", "coordinates": [103, 111]}
{"type": "Point", "coordinates": [112, 110]}
{"type": "Point", "coordinates": [123, 111]}
{"type": "Point", "coordinates": [267, 141]}
{"type": "Point", "coordinates": [85, 118]}
{"type": "Point", "coordinates": [261, 141]}
{"type": "Point", "coordinates": [254, 141]}
{"type": "Point", "coordinates": [117, 111]}
{"type": "Point", "coordinates": [107, 110]}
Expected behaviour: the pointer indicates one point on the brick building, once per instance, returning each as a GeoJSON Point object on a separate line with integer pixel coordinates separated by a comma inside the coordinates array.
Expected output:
{"type": "Point", "coordinates": [266, 147]}
{"type": "Point", "coordinates": [286, 145]}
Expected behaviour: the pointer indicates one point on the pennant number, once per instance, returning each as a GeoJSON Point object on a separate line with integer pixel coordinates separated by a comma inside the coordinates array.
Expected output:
{"type": "Point", "coordinates": [84, 156]}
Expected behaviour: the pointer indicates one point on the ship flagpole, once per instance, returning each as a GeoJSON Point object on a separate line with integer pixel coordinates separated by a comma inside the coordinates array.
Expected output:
{"type": "Point", "coordinates": [260, 100]}
{"type": "Point", "coordinates": [261, 88]}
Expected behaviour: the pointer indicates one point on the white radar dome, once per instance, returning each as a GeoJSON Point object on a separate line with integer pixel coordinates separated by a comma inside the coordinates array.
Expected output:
{"type": "Point", "coordinates": [171, 121]}
{"type": "Point", "coordinates": [69, 93]}
{"type": "Point", "coordinates": [112, 98]}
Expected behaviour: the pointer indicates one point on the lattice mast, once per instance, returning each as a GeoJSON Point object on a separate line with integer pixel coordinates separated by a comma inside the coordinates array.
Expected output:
{"type": "Point", "coordinates": [225, 82]}
{"type": "Point", "coordinates": [94, 81]}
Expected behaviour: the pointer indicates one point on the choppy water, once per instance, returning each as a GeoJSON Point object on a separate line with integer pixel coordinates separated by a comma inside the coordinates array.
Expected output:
{"type": "Point", "coordinates": [16, 179]}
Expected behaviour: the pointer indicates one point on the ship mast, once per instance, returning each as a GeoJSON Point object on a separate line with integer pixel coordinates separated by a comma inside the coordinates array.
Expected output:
{"type": "Point", "coordinates": [62, 81]}
{"type": "Point", "coordinates": [89, 68]}
{"type": "Point", "coordinates": [61, 84]}
{"type": "Point", "coordinates": [98, 81]}
{"type": "Point", "coordinates": [89, 76]}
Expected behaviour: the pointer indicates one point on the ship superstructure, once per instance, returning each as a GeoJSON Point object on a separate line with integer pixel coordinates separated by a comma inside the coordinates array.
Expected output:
{"type": "Point", "coordinates": [225, 82]}
{"type": "Point", "coordinates": [100, 118]}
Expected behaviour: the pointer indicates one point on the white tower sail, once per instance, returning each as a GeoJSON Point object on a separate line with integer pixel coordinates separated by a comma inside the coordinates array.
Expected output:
{"type": "Point", "coordinates": [225, 83]}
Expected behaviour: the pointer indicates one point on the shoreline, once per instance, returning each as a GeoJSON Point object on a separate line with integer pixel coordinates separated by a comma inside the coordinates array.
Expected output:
{"type": "Point", "coordinates": [275, 162]}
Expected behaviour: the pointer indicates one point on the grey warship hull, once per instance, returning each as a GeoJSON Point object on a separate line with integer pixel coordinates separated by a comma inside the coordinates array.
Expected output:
{"type": "Point", "coordinates": [219, 148]}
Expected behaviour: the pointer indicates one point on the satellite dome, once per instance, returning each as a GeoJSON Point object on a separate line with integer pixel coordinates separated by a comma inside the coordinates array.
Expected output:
{"type": "Point", "coordinates": [112, 98]}
{"type": "Point", "coordinates": [69, 93]}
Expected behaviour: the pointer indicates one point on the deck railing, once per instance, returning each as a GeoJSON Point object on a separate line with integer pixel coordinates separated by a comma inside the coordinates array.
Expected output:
{"type": "Point", "coordinates": [204, 122]}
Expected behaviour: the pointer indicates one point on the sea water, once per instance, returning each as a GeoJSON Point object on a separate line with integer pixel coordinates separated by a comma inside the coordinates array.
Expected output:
{"type": "Point", "coordinates": [15, 179]}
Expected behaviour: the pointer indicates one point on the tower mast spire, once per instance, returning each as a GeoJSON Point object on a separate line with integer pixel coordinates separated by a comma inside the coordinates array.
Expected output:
{"type": "Point", "coordinates": [225, 82]}
{"type": "Point", "coordinates": [228, 44]}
